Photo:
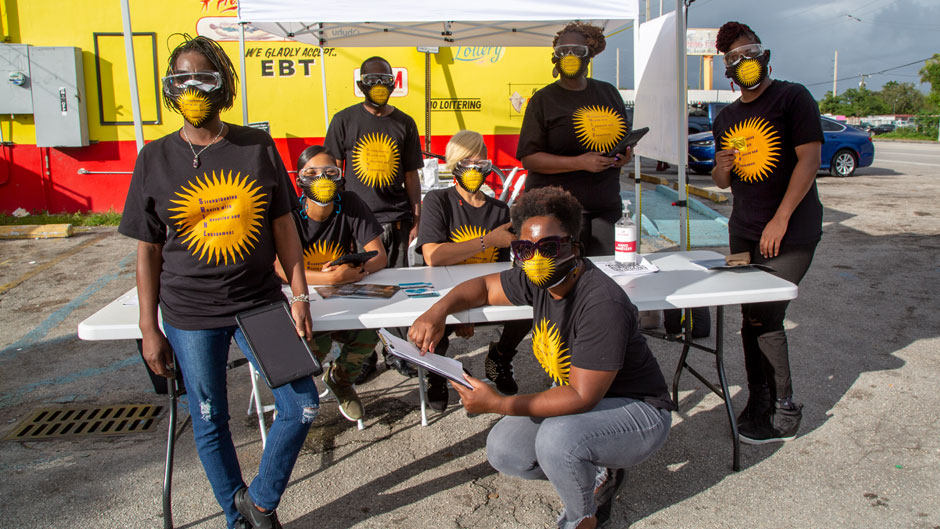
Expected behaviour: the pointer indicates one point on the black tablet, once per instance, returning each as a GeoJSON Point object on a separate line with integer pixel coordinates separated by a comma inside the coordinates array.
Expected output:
{"type": "Point", "coordinates": [629, 140]}
{"type": "Point", "coordinates": [355, 259]}
{"type": "Point", "coordinates": [281, 354]}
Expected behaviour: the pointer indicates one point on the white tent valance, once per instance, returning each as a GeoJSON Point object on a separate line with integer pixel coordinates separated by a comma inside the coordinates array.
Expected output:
{"type": "Point", "coordinates": [442, 23]}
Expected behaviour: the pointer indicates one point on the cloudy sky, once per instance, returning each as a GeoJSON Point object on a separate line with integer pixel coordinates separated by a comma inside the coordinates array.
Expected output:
{"type": "Point", "coordinates": [804, 35]}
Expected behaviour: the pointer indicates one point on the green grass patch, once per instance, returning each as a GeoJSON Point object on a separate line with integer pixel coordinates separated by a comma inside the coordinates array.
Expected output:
{"type": "Point", "coordinates": [111, 218]}
{"type": "Point", "coordinates": [906, 134]}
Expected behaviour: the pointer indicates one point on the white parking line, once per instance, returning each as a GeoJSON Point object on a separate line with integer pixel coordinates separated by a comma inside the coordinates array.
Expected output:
{"type": "Point", "coordinates": [911, 163]}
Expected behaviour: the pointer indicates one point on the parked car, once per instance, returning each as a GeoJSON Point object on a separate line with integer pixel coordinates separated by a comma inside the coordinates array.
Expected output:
{"type": "Point", "coordinates": [881, 129]}
{"type": "Point", "coordinates": [702, 116]}
{"type": "Point", "coordinates": [845, 149]}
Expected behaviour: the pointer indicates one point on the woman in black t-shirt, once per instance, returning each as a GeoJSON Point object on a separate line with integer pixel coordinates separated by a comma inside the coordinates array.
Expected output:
{"type": "Point", "coordinates": [767, 149]}
{"type": "Point", "coordinates": [331, 222]}
{"type": "Point", "coordinates": [610, 409]}
{"type": "Point", "coordinates": [570, 127]}
{"type": "Point", "coordinates": [210, 206]}
{"type": "Point", "coordinates": [461, 225]}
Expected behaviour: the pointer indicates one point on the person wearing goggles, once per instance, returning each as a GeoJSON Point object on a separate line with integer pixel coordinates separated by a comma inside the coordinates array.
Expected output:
{"type": "Point", "coordinates": [332, 223]}
{"type": "Point", "coordinates": [568, 132]}
{"type": "Point", "coordinates": [767, 150]}
{"type": "Point", "coordinates": [610, 407]}
{"type": "Point", "coordinates": [379, 150]}
{"type": "Point", "coordinates": [462, 225]}
{"type": "Point", "coordinates": [210, 207]}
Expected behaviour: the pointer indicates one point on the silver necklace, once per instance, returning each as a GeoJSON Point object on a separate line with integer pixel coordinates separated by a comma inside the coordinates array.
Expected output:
{"type": "Point", "coordinates": [196, 154]}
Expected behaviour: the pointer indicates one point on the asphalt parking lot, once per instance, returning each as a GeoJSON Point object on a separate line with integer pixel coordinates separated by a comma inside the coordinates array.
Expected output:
{"type": "Point", "coordinates": [864, 335]}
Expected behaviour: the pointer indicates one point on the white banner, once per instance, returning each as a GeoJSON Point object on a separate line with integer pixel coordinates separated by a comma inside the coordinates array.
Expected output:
{"type": "Point", "coordinates": [655, 73]}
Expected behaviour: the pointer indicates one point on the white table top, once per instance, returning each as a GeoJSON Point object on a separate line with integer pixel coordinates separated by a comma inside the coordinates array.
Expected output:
{"type": "Point", "coordinates": [678, 284]}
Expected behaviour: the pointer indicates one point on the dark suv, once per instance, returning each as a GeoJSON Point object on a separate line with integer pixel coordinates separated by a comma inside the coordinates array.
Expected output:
{"type": "Point", "coordinates": [881, 129]}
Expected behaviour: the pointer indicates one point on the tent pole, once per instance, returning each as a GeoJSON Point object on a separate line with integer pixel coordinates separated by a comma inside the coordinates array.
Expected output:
{"type": "Point", "coordinates": [244, 81]}
{"type": "Point", "coordinates": [637, 176]}
{"type": "Point", "coordinates": [427, 101]}
{"type": "Point", "coordinates": [683, 125]}
{"type": "Point", "coordinates": [132, 73]}
{"type": "Point", "coordinates": [326, 111]}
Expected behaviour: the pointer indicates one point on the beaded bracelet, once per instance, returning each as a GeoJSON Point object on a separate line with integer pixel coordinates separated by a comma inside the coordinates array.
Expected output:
{"type": "Point", "coordinates": [482, 244]}
{"type": "Point", "coordinates": [302, 298]}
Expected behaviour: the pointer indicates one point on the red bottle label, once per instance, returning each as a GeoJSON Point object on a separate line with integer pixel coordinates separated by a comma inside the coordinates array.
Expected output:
{"type": "Point", "coordinates": [625, 246]}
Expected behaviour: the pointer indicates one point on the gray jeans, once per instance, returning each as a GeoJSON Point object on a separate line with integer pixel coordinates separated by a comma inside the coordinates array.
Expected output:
{"type": "Point", "coordinates": [567, 450]}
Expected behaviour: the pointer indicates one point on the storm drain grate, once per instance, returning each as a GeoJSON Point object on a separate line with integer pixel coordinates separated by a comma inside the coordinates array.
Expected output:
{"type": "Point", "coordinates": [122, 419]}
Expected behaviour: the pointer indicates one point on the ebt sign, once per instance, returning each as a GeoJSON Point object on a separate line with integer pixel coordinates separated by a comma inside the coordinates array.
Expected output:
{"type": "Point", "coordinates": [401, 82]}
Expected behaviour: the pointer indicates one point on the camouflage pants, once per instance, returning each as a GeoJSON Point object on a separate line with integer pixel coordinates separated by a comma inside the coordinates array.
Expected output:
{"type": "Point", "coordinates": [355, 347]}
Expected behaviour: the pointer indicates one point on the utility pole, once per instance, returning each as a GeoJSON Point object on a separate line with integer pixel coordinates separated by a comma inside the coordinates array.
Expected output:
{"type": "Point", "coordinates": [835, 74]}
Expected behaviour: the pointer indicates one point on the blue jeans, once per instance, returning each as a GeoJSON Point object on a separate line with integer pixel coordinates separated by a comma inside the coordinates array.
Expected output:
{"type": "Point", "coordinates": [202, 356]}
{"type": "Point", "coordinates": [567, 450]}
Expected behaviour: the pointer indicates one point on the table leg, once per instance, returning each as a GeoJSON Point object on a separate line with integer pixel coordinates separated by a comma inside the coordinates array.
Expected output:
{"type": "Point", "coordinates": [720, 366]}
{"type": "Point", "coordinates": [423, 396]}
{"type": "Point", "coordinates": [259, 408]}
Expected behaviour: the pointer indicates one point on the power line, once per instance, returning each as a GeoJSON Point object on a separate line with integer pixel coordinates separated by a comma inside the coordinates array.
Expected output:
{"type": "Point", "coordinates": [873, 73]}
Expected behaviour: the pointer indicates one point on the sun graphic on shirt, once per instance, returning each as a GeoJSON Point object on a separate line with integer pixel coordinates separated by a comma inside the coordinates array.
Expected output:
{"type": "Point", "coordinates": [375, 159]}
{"type": "Point", "coordinates": [758, 146]}
{"type": "Point", "coordinates": [320, 253]}
{"type": "Point", "coordinates": [539, 268]}
{"type": "Point", "coordinates": [473, 233]}
{"type": "Point", "coordinates": [598, 128]}
{"type": "Point", "coordinates": [218, 218]}
{"type": "Point", "coordinates": [549, 350]}
{"type": "Point", "coordinates": [194, 106]}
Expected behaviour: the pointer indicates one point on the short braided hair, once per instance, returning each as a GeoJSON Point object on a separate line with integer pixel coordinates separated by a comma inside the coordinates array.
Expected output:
{"type": "Point", "coordinates": [214, 53]}
{"type": "Point", "coordinates": [732, 31]}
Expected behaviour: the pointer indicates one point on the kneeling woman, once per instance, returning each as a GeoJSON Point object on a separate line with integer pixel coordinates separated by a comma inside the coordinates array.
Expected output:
{"type": "Point", "coordinates": [331, 222]}
{"type": "Point", "coordinates": [610, 409]}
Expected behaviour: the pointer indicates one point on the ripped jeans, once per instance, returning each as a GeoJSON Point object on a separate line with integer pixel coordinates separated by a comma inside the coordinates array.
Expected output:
{"type": "Point", "coordinates": [202, 356]}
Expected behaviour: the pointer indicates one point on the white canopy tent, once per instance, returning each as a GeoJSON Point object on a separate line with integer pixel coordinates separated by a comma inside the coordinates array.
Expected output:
{"type": "Point", "coordinates": [455, 23]}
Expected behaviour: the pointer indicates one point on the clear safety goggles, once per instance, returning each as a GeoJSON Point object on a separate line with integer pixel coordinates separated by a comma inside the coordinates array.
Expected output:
{"type": "Point", "coordinates": [748, 51]}
{"type": "Point", "coordinates": [578, 50]}
{"type": "Point", "coordinates": [177, 83]}
{"type": "Point", "coordinates": [372, 79]}
{"type": "Point", "coordinates": [483, 166]}
{"type": "Point", "coordinates": [306, 176]}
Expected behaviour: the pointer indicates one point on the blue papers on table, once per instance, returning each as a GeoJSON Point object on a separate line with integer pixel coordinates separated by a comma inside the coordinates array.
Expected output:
{"type": "Point", "coordinates": [419, 290]}
{"type": "Point", "coordinates": [446, 367]}
{"type": "Point", "coordinates": [613, 268]}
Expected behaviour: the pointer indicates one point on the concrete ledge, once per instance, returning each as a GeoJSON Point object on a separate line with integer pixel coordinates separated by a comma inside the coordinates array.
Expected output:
{"type": "Point", "coordinates": [694, 204]}
{"type": "Point", "coordinates": [693, 190]}
{"type": "Point", "coordinates": [36, 231]}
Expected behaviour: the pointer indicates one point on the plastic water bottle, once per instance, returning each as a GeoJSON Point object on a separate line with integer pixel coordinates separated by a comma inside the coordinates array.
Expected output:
{"type": "Point", "coordinates": [625, 239]}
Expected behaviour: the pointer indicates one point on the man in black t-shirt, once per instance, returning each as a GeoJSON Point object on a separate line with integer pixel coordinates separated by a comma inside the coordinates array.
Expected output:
{"type": "Point", "coordinates": [379, 149]}
{"type": "Point", "coordinates": [767, 149]}
{"type": "Point", "coordinates": [610, 409]}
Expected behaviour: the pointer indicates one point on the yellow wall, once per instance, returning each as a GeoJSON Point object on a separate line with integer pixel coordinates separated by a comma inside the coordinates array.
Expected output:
{"type": "Point", "coordinates": [483, 79]}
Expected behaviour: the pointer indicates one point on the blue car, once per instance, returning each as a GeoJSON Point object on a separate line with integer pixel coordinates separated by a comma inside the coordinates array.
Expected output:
{"type": "Point", "coordinates": [846, 149]}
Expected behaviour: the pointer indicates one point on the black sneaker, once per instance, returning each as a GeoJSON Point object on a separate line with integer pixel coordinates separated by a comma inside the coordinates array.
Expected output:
{"type": "Point", "coordinates": [605, 493]}
{"type": "Point", "coordinates": [403, 367]}
{"type": "Point", "coordinates": [257, 519]}
{"type": "Point", "coordinates": [498, 369]}
{"type": "Point", "coordinates": [437, 392]}
{"type": "Point", "coordinates": [780, 425]}
{"type": "Point", "coordinates": [759, 403]}
{"type": "Point", "coordinates": [368, 368]}
{"type": "Point", "coordinates": [242, 523]}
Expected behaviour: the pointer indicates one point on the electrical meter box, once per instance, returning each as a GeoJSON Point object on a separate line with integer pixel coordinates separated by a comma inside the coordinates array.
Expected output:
{"type": "Point", "coordinates": [58, 88]}
{"type": "Point", "coordinates": [15, 93]}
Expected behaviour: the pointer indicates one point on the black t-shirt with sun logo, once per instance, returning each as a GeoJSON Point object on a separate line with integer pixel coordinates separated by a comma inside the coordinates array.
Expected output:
{"type": "Point", "coordinates": [446, 217]}
{"type": "Point", "coordinates": [766, 132]}
{"type": "Point", "coordinates": [214, 222]}
{"type": "Point", "coordinates": [350, 222]}
{"type": "Point", "coordinates": [377, 152]}
{"type": "Point", "coordinates": [594, 327]}
{"type": "Point", "coordinates": [570, 123]}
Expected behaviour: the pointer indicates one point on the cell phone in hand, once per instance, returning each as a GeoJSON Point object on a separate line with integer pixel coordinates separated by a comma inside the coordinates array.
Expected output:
{"type": "Point", "coordinates": [629, 140]}
{"type": "Point", "coordinates": [355, 259]}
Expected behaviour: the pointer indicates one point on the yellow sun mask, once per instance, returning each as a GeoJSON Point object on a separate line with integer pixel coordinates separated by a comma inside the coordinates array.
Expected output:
{"type": "Point", "coordinates": [470, 174]}
{"type": "Point", "coordinates": [195, 106]}
{"type": "Point", "coordinates": [379, 94]}
{"type": "Point", "coordinates": [570, 66]}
